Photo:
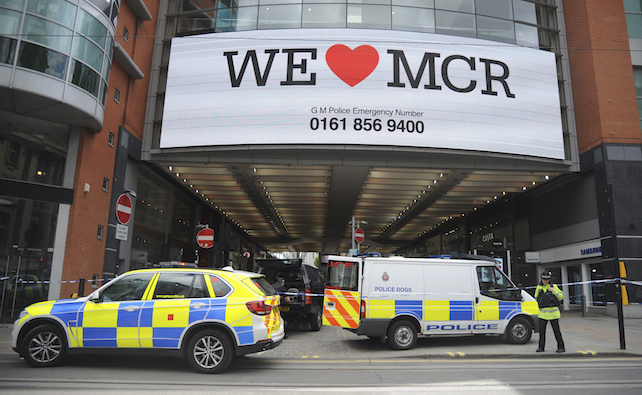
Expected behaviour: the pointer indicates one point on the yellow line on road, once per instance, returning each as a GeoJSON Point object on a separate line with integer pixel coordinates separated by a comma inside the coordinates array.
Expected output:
{"type": "Point", "coordinates": [588, 352]}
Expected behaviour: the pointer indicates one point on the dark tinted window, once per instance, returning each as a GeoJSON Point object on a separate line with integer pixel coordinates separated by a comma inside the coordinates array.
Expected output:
{"type": "Point", "coordinates": [180, 285]}
{"type": "Point", "coordinates": [131, 287]}
{"type": "Point", "coordinates": [493, 283]}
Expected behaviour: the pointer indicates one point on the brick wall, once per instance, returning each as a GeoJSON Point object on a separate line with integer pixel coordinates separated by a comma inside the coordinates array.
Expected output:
{"type": "Point", "coordinates": [84, 255]}
{"type": "Point", "coordinates": [601, 72]}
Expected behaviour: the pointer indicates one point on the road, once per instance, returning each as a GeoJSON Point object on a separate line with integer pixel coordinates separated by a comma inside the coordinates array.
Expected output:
{"type": "Point", "coordinates": [145, 374]}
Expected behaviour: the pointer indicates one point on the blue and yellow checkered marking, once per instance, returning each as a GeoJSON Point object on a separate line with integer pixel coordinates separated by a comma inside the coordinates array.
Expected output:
{"type": "Point", "coordinates": [446, 310]}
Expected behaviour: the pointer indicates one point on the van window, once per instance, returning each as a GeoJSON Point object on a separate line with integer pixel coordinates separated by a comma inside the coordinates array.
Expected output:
{"type": "Point", "coordinates": [493, 283]}
{"type": "Point", "coordinates": [343, 275]}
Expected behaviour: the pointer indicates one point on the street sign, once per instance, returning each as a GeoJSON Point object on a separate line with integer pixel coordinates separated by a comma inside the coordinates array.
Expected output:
{"type": "Point", "coordinates": [123, 209]}
{"type": "Point", "coordinates": [359, 235]}
{"type": "Point", "coordinates": [121, 232]}
{"type": "Point", "coordinates": [205, 238]}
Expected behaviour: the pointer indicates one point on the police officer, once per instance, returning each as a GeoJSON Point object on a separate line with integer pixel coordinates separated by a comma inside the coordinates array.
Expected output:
{"type": "Point", "coordinates": [548, 297]}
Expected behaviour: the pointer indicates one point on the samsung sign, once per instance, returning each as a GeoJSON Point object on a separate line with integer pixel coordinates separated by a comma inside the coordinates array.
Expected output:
{"type": "Point", "coordinates": [371, 87]}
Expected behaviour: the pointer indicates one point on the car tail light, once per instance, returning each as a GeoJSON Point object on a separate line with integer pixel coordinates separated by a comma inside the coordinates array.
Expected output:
{"type": "Point", "coordinates": [259, 307]}
{"type": "Point", "coordinates": [363, 309]}
{"type": "Point", "coordinates": [308, 296]}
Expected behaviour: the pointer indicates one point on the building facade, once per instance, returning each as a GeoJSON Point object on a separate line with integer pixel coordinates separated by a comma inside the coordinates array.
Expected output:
{"type": "Point", "coordinates": [89, 96]}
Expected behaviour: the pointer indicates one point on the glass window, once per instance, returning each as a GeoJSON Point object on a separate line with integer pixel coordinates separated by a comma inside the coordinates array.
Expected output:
{"type": "Point", "coordinates": [57, 10]}
{"type": "Point", "coordinates": [246, 18]}
{"type": "Point", "coordinates": [324, 15]}
{"type": "Point", "coordinates": [634, 24]}
{"type": "Point", "coordinates": [131, 287]}
{"type": "Point", "coordinates": [524, 11]}
{"type": "Point", "coordinates": [598, 291]}
{"type": "Point", "coordinates": [273, 2]}
{"type": "Point", "coordinates": [280, 17]}
{"type": "Point", "coordinates": [181, 220]}
{"type": "Point", "coordinates": [41, 59]}
{"type": "Point", "coordinates": [493, 283]}
{"type": "Point", "coordinates": [17, 4]}
{"type": "Point", "coordinates": [526, 35]}
{"type": "Point", "coordinates": [495, 29]}
{"type": "Point", "coordinates": [47, 33]}
{"type": "Point", "coordinates": [633, 5]}
{"type": "Point", "coordinates": [386, 2]}
{"type": "Point", "coordinates": [455, 24]}
{"type": "Point", "coordinates": [456, 5]}
{"type": "Point", "coordinates": [413, 19]}
{"type": "Point", "coordinates": [415, 3]}
{"type": "Point", "coordinates": [343, 275]}
{"type": "Point", "coordinates": [7, 50]}
{"type": "Point", "coordinates": [497, 8]}
{"type": "Point", "coordinates": [9, 22]}
{"type": "Point", "coordinates": [369, 17]}
{"type": "Point", "coordinates": [152, 199]}
{"type": "Point", "coordinates": [85, 78]}
{"type": "Point", "coordinates": [88, 52]}
{"type": "Point", "coordinates": [179, 286]}
{"type": "Point", "coordinates": [90, 27]}
{"type": "Point", "coordinates": [219, 286]}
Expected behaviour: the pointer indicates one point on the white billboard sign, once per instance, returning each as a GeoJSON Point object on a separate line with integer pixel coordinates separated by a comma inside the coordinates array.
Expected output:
{"type": "Point", "coordinates": [364, 87]}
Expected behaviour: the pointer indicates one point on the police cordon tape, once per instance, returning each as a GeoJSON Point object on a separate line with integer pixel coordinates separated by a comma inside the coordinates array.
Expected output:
{"type": "Point", "coordinates": [611, 280]}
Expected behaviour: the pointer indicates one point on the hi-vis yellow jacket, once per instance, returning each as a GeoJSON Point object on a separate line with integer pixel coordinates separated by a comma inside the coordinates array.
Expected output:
{"type": "Point", "coordinates": [549, 313]}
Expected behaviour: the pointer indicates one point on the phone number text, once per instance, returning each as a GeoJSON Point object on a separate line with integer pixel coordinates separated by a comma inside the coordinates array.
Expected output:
{"type": "Point", "coordinates": [367, 124]}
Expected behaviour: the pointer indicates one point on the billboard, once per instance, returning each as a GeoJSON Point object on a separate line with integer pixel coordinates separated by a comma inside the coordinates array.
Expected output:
{"type": "Point", "coordinates": [361, 87]}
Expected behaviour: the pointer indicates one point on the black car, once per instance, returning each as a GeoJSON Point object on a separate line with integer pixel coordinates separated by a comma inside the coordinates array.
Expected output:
{"type": "Point", "coordinates": [304, 285]}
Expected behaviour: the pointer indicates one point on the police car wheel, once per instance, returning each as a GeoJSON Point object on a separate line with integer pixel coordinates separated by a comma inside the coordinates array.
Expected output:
{"type": "Point", "coordinates": [210, 351]}
{"type": "Point", "coordinates": [519, 331]}
{"type": "Point", "coordinates": [316, 320]}
{"type": "Point", "coordinates": [44, 346]}
{"type": "Point", "coordinates": [402, 335]}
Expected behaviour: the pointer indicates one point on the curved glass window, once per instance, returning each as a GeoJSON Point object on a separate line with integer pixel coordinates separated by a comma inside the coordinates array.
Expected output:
{"type": "Point", "coordinates": [495, 29]}
{"type": "Point", "coordinates": [413, 19]}
{"type": "Point", "coordinates": [47, 33]}
{"type": "Point", "coordinates": [415, 3]}
{"type": "Point", "coordinates": [90, 27]}
{"type": "Point", "coordinates": [467, 6]}
{"type": "Point", "coordinates": [88, 52]}
{"type": "Point", "coordinates": [324, 15]}
{"type": "Point", "coordinates": [10, 22]}
{"type": "Point", "coordinates": [455, 24]}
{"type": "Point", "coordinates": [17, 4]}
{"type": "Point", "coordinates": [7, 50]}
{"type": "Point", "coordinates": [280, 17]}
{"type": "Point", "coordinates": [42, 59]}
{"type": "Point", "coordinates": [497, 8]}
{"type": "Point", "coordinates": [57, 10]}
{"type": "Point", "coordinates": [369, 16]}
{"type": "Point", "coordinates": [85, 77]}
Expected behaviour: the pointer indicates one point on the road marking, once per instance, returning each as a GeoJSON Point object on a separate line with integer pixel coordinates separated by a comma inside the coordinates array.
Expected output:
{"type": "Point", "coordinates": [588, 352]}
{"type": "Point", "coordinates": [458, 354]}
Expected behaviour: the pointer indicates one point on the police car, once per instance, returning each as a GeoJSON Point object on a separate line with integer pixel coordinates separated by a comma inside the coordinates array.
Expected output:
{"type": "Point", "coordinates": [208, 315]}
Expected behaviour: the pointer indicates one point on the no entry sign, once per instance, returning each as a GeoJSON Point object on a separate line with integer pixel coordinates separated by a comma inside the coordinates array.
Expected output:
{"type": "Point", "coordinates": [205, 238]}
{"type": "Point", "coordinates": [123, 209]}
{"type": "Point", "coordinates": [359, 235]}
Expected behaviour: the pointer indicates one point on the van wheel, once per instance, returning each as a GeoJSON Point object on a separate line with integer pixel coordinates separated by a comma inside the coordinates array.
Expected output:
{"type": "Point", "coordinates": [402, 335]}
{"type": "Point", "coordinates": [316, 320]}
{"type": "Point", "coordinates": [210, 351]}
{"type": "Point", "coordinates": [44, 346]}
{"type": "Point", "coordinates": [519, 331]}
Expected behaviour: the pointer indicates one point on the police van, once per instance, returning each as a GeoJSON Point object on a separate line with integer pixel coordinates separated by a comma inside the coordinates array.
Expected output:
{"type": "Point", "coordinates": [398, 299]}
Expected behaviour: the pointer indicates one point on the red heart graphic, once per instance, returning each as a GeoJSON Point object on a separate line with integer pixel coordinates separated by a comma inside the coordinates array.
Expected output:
{"type": "Point", "coordinates": [352, 66]}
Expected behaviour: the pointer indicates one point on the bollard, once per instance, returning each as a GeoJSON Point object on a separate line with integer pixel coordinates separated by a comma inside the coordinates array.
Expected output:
{"type": "Point", "coordinates": [584, 306]}
{"type": "Point", "coordinates": [81, 287]}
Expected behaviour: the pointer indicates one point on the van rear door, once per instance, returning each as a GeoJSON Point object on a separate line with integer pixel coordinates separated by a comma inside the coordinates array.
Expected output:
{"type": "Point", "coordinates": [342, 296]}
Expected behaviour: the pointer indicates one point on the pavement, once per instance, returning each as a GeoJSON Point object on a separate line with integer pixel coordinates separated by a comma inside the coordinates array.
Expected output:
{"type": "Point", "coordinates": [595, 335]}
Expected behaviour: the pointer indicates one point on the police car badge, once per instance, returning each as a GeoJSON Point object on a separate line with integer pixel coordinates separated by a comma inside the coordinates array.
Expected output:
{"type": "Point", "coordinates": [385, 276]}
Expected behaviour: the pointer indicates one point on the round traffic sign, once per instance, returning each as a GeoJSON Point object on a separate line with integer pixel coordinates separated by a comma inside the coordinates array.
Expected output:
{"type": "Point", "coordinates": [359, 235]}
{"type": "Point", "coordinates": [123, 209]}
{"type": "Point", "coordinates": [205, 238]}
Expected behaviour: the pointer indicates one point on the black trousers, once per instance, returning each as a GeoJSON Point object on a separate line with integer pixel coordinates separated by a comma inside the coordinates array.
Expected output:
{"type": "Point", "coordinates": [556, 329]}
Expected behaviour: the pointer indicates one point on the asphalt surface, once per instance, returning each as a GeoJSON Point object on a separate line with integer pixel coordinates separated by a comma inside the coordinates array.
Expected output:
{"type": "Point", "coordinates": [595, 335]}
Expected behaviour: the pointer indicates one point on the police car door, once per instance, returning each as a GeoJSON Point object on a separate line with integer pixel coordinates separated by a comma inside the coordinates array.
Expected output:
{"type": "Point", "coordinates": [448, 307]}
{"type": "Point", "coordinates": [342, 297]}
{"type": "Point", "coordinates": [111, 318]}
{"type": "Point", "coordinates": [497, 302]}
